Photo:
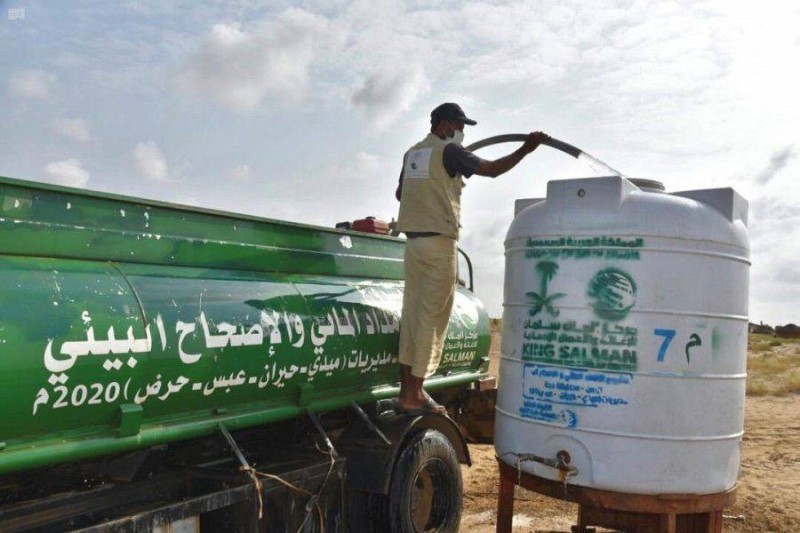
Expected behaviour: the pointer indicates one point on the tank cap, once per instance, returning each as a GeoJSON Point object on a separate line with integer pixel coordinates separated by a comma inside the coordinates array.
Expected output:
{"type": "Point", "coordinates": [648, 185]}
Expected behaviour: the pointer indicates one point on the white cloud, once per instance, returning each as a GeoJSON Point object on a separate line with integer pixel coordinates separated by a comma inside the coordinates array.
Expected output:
{"type": "Point", "coordinates": [363, 166]}
{"type": "Point", "coordinates": [388, 93]}
{"type": "Point", "coordinates": [482, 239]}
{"type": "Point", "coordinates": [68, 172]}
{"type": "Point", "coordinates": [241, 173]}
{"type": "Point", "coordinates": [241, 67]}
{"type": "Point", "coordinates": [31, 84]}
{"type": "Point", "coordinates": [354, 185]}
{"type": "Point", "coordinates": [150, 162]}
{"type": "Point", "coordinates": [75, 129]}
{"type": "Point", "coordinates": [777, 162]}
{"type": "Point", "coordinates": [775, 277]}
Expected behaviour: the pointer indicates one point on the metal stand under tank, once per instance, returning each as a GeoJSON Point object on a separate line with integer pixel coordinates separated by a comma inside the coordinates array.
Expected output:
{"type": "Point", "coordinates": [634, 513]}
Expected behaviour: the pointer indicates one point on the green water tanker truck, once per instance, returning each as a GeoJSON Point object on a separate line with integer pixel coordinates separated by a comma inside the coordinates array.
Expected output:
{"type": "Point", "coordinates": [169, 368]}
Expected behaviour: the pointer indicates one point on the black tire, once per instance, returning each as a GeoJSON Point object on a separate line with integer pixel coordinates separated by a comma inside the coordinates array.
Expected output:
{"type": "Point", "coordinates": [426, 490]}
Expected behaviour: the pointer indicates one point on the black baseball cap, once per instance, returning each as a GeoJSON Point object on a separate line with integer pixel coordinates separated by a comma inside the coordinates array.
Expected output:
{"type": "Point", "coordinates": [450, 111]}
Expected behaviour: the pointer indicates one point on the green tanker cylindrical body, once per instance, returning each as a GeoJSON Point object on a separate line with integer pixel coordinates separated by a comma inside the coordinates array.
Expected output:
{"type": "Point", "coordinates": [126, 323]}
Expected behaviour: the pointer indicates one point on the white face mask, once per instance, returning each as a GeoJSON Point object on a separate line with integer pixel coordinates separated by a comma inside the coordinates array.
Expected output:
{"type": "Point", "coordinates": [458, 137]}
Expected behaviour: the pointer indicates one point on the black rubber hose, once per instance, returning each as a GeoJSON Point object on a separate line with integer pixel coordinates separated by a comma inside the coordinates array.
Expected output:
{"type": "Point", "coordinates": [570, 150]}
{"type": "Point", "coordinates": [522, 137]}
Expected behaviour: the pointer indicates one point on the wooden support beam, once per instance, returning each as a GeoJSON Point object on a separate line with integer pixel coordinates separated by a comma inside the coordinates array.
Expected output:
{"type": "Point", "coordinates": [633, 513]}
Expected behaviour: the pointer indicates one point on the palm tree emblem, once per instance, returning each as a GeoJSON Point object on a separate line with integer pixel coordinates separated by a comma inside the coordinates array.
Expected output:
{"type": "Point", "coordinates": [547, 271]}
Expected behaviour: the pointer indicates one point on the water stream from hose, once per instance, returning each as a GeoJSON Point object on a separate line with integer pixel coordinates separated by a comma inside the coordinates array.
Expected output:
{"type": "Point", "coordinates": [577, 153]}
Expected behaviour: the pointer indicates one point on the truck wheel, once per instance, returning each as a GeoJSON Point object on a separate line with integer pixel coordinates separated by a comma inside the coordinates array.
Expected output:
{"type": "Point", "coordinates": [426, 491]}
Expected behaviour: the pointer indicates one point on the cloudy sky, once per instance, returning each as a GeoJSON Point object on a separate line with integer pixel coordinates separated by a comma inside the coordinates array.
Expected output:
{"type": "Point", "coordinates": [301, 110]}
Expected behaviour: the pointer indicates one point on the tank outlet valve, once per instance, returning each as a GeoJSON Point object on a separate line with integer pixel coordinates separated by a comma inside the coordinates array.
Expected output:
{"type": "Point", "coordinates": [560, 463]}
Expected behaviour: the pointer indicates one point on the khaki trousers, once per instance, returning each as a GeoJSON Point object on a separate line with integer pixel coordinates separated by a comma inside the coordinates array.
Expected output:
{"type": "Point", "coordinates": [430, 271]}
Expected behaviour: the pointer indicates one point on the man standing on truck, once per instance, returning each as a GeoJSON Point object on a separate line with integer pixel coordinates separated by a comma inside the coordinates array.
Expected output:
{"type": "Point", "coordinates": [430, 208]}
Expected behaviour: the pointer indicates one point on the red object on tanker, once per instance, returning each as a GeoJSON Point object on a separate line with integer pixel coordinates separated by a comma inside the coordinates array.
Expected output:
{"type": "Point", "coordinates": [371, 225]}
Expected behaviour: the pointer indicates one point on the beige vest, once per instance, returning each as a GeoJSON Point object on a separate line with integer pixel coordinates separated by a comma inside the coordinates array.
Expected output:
{"type": "Point", "coordinates": [431, 199]}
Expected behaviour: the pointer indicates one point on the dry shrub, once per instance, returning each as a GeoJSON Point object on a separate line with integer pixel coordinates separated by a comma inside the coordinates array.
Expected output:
{"type": "Point", "coordinates": [793, 381]}
{"type": "Point", "coordinates": [768, 365]}
{"type": "Point", "coordinates": [772, 372]}
{"type": "Point", "coordinates": [757, 387]}
{"type": "Point", "coordinates": [760, 343]}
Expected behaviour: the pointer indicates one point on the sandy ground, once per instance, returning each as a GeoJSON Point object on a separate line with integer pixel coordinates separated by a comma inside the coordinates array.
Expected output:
{"type": "Point", "coordinates": [769, 483]}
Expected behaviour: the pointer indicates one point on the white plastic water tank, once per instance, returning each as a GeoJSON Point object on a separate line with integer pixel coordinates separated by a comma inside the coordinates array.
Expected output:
{"type": "Point", "coordinates": [625, 336]}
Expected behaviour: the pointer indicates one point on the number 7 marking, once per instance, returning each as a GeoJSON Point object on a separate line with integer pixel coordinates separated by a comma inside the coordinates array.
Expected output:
{"type": "Point", "coordinates": [668, 335]}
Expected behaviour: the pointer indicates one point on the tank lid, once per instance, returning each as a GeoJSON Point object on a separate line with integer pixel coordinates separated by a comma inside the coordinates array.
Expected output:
{"type": "Point", "coordinates": [648, 185]}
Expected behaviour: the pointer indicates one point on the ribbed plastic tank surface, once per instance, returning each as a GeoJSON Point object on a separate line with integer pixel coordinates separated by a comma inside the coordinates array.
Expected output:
{"type": "Point", "coordinates": [625, 336]}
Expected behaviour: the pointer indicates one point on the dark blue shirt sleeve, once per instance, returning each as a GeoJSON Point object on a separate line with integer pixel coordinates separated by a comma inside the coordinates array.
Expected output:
{"type": "Point", "coordinates": [459, 160]}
